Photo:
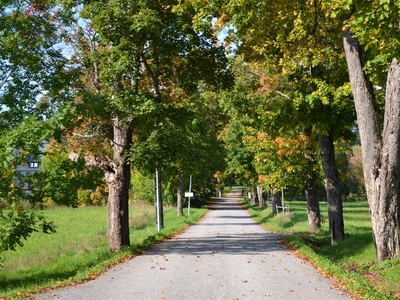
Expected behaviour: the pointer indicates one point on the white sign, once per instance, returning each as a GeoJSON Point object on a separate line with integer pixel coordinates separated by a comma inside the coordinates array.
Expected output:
{"type": "Point", "coordinates": [188, 194]}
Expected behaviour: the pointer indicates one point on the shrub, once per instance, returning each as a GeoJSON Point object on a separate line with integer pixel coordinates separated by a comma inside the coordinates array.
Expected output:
{"type": "Point", "coordinates": [356, 197]}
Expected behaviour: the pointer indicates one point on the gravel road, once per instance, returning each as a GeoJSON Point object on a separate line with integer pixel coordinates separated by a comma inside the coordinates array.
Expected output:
{"type": "Point", "coordinates": [225, 256]}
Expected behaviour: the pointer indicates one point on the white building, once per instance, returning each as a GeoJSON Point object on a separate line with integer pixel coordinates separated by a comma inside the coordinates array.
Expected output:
{"type": "Point", "coordinates": [32, 165]}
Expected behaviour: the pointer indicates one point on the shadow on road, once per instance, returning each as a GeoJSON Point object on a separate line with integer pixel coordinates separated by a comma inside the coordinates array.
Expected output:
{"type": "Point", "coordinates": [225, 245]}
{"type": "Point", "coordinates": [226, 229]}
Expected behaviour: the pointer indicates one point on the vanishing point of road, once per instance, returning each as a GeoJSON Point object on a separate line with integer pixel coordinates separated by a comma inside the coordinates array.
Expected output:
{"type": "Point", "coordinates": [224, 256]}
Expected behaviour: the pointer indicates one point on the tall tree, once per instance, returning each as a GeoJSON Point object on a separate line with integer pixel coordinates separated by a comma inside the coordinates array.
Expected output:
{"type": "Point", "coordinates": [300, 42]}
{"type": "Point", "coordinates": [368, 29]}
{"type": "Point", "coordinates": [31, 68]}
{"type": "Point", "coordinates": [268, 124]}
{"type": "Point", "coordinates": [131, 53]}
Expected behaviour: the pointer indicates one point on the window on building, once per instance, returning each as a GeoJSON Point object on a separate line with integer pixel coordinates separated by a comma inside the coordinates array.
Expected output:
{"type": "Point", "coordinates": [33, 165]}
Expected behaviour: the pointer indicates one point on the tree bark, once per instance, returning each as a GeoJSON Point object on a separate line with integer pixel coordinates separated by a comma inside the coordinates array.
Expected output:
{"type": "Point", "coordinates": [252, 196]}
{"type": "Point", "coordinates": [311, 184]}
{"type": "Point", "coordinates": [311, 190]}
{"type": "Point", "coordinates": [276, 200]}
{"type": "Point", "coordinates": [332, 187]}
{"type": "Point", "coordinates": [180, 194]}
{"type": "Point", "coordinates": [381, 155]}
{"type": "Point", "coordinates": [118, 176]}
{"type": "Point", "coordinates": [261, 199]}
{"type": "Point", "coordinates": [385, 211]}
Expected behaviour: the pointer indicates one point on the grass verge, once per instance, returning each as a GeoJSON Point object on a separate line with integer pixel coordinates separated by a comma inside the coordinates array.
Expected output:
{"type": "Point", "coordinates": [351, 262]}
{"type": "Point", "coordinates": [79, 250]}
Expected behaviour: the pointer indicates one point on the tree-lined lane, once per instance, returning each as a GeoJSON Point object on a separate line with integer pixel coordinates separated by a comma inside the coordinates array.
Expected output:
{"type": "Point", "coordinates": [225, 256]}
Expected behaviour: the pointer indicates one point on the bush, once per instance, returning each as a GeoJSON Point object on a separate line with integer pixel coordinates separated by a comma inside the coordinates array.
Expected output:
{"type": "Point", "coordinates": [142, 188]}
{"type": "Point", "coordinates": [355, 197]}
{"type": "Point", "coordinates": [84, 197]}
{"type": "Point", "coordinates": [99, 196]}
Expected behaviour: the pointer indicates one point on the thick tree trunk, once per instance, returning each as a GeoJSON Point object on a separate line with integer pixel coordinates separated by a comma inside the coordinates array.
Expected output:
{"type": "Point", "coordinates": [311, 183]}
{"type": "Point", "coordinates": [332, 187]}
{"type": "Point", "coordinates": [276, 200]}
{"type": "Point", "coordinates": [118, 177]}
{"type": "Point", "coordinates": [385, 211]}
{"type": "Point", "coordinates": [180, 194]}
{"type": "Point", "coordinates": [311, 190]}
{"type": "Point", "coordinates": [367, 115]}
{"type": "Point", "coordinates": [380, 155]}
{"type": "Point", "coordinates": [252, 196]}
{"type": "Point", "coordinates": [261, 199]}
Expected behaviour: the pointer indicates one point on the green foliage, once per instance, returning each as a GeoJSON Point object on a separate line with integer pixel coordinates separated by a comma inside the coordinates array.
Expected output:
{"type": "Point", "coordinates": [142, 188]}
{"type": "Point", "coordinates": [84, 197]}
{"type": "Point", "coordinates": [32, 71]}
{"type": "Point", "coordinates": [17, 224]}
{"type": "Point", "coordinates": [63, 180]}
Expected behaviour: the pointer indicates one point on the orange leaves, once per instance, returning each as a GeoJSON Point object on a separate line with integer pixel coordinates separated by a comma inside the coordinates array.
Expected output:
{"type": "Point", "coordinates": [221, 22]}
{"type": "Point", "coordinates": [262, 178]}
{"type": "Point", "coordinates": [281, 152]}
{"type": "Point", "coordinates": [279, 159]}
{"type": "Point", "coordinates": [265, 83]}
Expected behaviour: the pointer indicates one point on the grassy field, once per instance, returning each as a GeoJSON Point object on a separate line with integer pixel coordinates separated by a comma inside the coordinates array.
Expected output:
{"type": "Point", "coordinates": [79, 249]}
{"type": "Point", "coordinates": [351, 262]}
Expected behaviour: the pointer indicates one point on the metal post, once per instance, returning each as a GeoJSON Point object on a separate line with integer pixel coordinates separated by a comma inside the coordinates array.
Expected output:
{"type": "Point", "coordinates": [158, 202]}
{"type": "Point", "coordinates": [190, 190]}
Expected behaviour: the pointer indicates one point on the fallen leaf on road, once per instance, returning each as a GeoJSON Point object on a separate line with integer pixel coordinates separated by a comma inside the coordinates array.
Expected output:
{"type": "Point", "coordinates": [208, 275]}
{"type": "Point", "coordinates": [245, 281]}
{"type": "Point", "coordinates": [195, 270]}
{"type": "Point", "coordinates": [291, 291]}
{"type": "Point", "coordinates": [162, 268]}
{"type": "Point", "coordinates": [266, 295]}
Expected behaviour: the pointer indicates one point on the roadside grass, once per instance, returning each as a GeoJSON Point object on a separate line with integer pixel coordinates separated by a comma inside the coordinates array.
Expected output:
{"type": "Point", "coordinates": [79, 250]}
{"type": "Point", "coordinates": [351, 262]}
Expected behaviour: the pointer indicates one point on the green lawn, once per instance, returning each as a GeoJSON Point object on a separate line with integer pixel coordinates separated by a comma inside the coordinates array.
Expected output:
{"type": "Point", "coordinates": [79, 249]}
{"type": "Point", "coordinates": [352, 261]}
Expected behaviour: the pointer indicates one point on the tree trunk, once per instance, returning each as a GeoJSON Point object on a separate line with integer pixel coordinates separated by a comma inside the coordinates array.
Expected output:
{"type": "Point", "coordinates": [180, 194]}
{"type": "Point", "coordinates": [118, 177]}
{"type": "Point", "coordinates": [332, 187]}
{"type": "Point", "coordinates": [261, 199]}
{"type": "Point", "coordinates": [252, 196]}
{"type": "Point", "coordinates": [380, 155]}
{"type": "Point", "coordinates": [311, 190]}
{"type": "Point", "coordinates": [276, 200]}
{"type": "Point", "coordinates": [385, 212]}
{"type": "Point", "coordinates": [311, 183]}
